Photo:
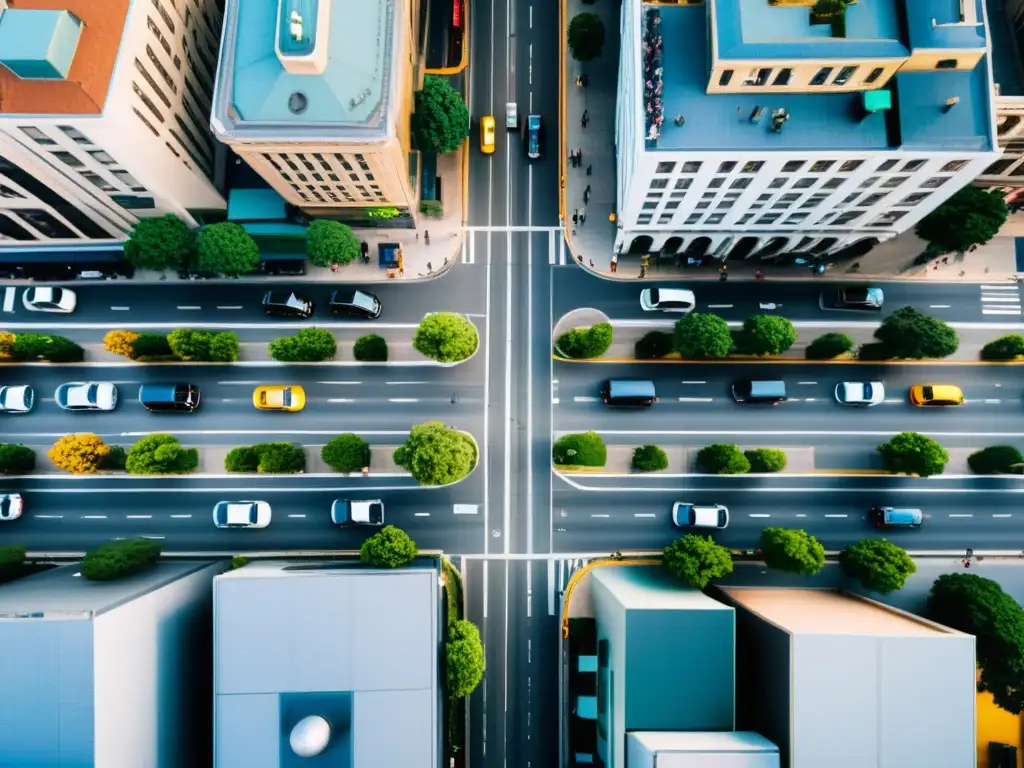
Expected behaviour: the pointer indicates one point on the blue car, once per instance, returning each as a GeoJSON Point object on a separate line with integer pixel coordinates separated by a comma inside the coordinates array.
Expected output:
{"type": "Point", "coordinates": [534, 139]}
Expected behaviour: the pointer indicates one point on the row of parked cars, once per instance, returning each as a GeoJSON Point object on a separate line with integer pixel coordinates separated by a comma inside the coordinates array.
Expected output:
{"type": "Point", "coordinates": [158, 398]}
{"type": "Point", "coordinates": [689, 515]}
{"type": "Point", "coordinates": [684, 301]}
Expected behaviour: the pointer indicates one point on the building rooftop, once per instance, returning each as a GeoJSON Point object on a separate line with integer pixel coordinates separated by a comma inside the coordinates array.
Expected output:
{"type": "Point", "coordinates": [937, 24]}
{"type": "Point", "coordinates": [1006, 61]}
{"type": "Point", "coordinates": [680, 749]}
{"type": "Point", "coordinates": [84, 91]}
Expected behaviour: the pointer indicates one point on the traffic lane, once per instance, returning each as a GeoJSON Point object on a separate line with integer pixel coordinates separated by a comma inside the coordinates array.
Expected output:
{"type": "Point", "coordinates": [654, 482]}
{"type": "Point", "coordinates": [247, 333]}
{"type": "Point", "coordinates": [538, 44]}
{"type": "Point", "coordinates": [474, 597]}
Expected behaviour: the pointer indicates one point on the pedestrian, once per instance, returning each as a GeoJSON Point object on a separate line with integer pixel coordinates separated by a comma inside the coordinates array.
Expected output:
{"type": "Point", "coordinates": [417, 235]}
{"type": "Point", "coordinates": [615, 266]}
{"type": "Point", "coordinates": [759, 275]}
{"type": "Point", "coordinates": [579, 157]}
{"type": "Point", "coordinates": [643, 272]}
{"type": "Point", "coordinates": [591, 263]}
{"type": "Point", "coordinates": [589, 169]}
{"type": "Point", "coordinates": [426, 236]}
{"type": "Point", "coordinates": [974, 248]}
{"type": "Point", "coordinates": [723, 273]}
{"type": "Point", "coordinates": [583, 217]}
{"type": "Point", "coordinates": [576, 216]}
{"type": "Point", "coordinates": [586, 80]}
{"type": "Point", "coordinates": [430, 268]}
{"type": "Point", "coordinates": [579, 81]}
{"type": "Point", "coordinates": [579, 258]}
{"type": "Point", "coordinates": [586, 196]}
{"type": "Point", "coordinates": [587, 190]}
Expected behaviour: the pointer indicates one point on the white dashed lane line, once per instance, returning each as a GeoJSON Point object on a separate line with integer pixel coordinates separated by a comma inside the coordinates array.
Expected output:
{"type": "Point", "coordinates": [190, 308]}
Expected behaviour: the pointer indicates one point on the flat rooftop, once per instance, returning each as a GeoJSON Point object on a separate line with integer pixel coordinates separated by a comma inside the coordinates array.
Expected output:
{"type": "Point", "coordinates": [1006, 61]}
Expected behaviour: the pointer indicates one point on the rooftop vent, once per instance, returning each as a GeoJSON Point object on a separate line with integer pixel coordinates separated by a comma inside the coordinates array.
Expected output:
{"type": "Point", "coordinates": [38, 44]}
{"type": "Point", "coordinates": [310, 736]}
{"type": "Point", "coordinates": [297, 103]}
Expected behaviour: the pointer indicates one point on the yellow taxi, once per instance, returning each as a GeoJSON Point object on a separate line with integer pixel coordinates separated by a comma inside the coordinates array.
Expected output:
{"type": "Point", "coordinates": [935, 395]}
{"type": "Point", "coordinates": [487, 134]}
{"type": "Point", "coordinates": [275, 397]}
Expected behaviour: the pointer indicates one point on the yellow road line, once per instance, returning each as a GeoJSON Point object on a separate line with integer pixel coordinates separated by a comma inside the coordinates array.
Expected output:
{"type": "Point", "coordinates": [785, 361]}
{"type": "Point", "coordinates": [575, 578]}
{"type": "Point", "coordinates": [465, 47]}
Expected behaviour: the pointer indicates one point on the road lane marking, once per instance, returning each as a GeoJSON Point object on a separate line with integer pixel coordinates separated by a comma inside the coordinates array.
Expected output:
{"type": "Point", "coordinates": [49, 517]}
{"type": "Point", "coordinates": [403, 399]}
{"type": "Point", "coordinates": [694, 382]}
{"type": "Point", "coordinates": [247, 383]}
{"type": "Point", "coordinates": [239, 306]}
{"type": "Point", "coordinates": [810, 399]}
{"type": "Point", "coordinates": [340, 383]}
{"type": "Point", "coordinates": [555, 401]}
{"type": "Point", "coordinates": [643, 514]}
{"type": "Point", "coordinates": [585, 399]}
{"type": "Point", "coordinates": [992, 400]}
{"type": "Point", "coordinates": [954, 514]}
{"type": "Point", "coordinates": [120, 309]}
{"type": "Point", "coordinates": [763, 433]}
{"type": "Point", "coordinates": [1002, 514]}
{"type": "Point", "coordinates": [184, 517]}
{"type": "Point", "coordinates": [807, 382]}
{"type": "Point", "coordinates": [1001, 299]}
{"type": "Point", "coordinates": [800, 514]}
{"type": "Point", "coordinates": [421, 514]}
{"type": "Point", "coordinates": [939, 306]}
{"type": "Point", "coordinates": [465, 509]}
{"type": "Point", "coordinates": [696, 399]}
{"type": "Point", "coordinates": [719, 306]}
{"type": "Point", "coordinates": [836, 515]}
{"type": "Point", "coordinates": [189, 307]}
{"type": "Point", "coordinates": [993, 311]}
{"type": "Point", "coordinates": [1000, 287]}
{"type": "Point", "coordinates": [406, 382]}
{"type": "Point", "coordinates": [892, 400]}
{"type": "Point", "coordinates": [138, 517]}
{"type": "Point", "coordinates": [298, 515]}
{"type": "Point", "coordinates": [94, 517]}
{"type": "Point", "coordinates": [759, 514]}
{"type": "Point", "coordinates": [340, 400]}
{"type": "Point", "coordinates": [600, 515]}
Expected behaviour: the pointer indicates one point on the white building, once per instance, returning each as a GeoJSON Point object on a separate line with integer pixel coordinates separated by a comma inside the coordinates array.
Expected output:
{"type": "Point", "coordinates": [104, 110]}
{"type": "Point", "coordinates": [744, 130]}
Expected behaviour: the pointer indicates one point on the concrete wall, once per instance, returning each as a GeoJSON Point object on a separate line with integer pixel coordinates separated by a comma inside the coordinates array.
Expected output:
{"type": "Point", "coordinates": [611, 627]}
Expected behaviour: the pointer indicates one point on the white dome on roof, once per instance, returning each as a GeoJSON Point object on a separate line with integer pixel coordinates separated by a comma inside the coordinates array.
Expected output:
{"type": "Point", "coordinates": [310, 736]}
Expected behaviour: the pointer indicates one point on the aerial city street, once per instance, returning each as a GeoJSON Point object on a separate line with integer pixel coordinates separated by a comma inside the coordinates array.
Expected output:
{"type": "Point", "coordinates": [398, 340]}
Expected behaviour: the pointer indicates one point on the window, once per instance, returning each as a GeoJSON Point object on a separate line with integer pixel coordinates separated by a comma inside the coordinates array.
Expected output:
{"type": "Point", "coordinates": [752, 166]}
{"type": "Point", "coordinates": [796, 218]}
{"type": "Point", "coordinates": [935, 181]}
{"type": "Point", "coordinates": [36, 135]}
{"type": "Point", "coordinates": [821, 166]}
{"type": "Point", "coordinates": [847, 218]}
{"type": "Point", "coordinates": [725, 77]}
{"type": "Point", "coordinates": [725, 204]}
{"type": "Point", "coordinates": [715, 218]}
{"type": "Point", "coordinates": [702, 206]}
{"type": "Point", "coordinates": [672, 205]}
{"type": "Point", "coordinates": [999, 167]}
{"type": "Point", "coordinates": [874, 75]}
{"type": "Point", "coordinates": [693, 218]}
{"type": "Point", "coordinates": [758, 76]}
{"type": "Point", "coordinates": [732, 195]}
{"type": "Point", "coordinates": [834, 183]}
{"type": "Point", "coordinates": [821, 76]}
{"type": "Point", "coordinates": [850, 166]}
{"type": "Point", "coordinates": [769, 218]}
{"type": "Point", "coordinates": [69, 159]}
{"type": "Point", "coordinates": [912, 165]}
{"type": "Point", "coordinates": [46, 223]}
{"type": "Point", "coordinates": [643, 219]}
{"type": "Point", "coordinates": [914, 199]}
{"type": "Point", "coordinates": [784, 76]}
{"type": "Point", "coordinates": [893, 181]}
{"type": "Point", "coordinates": [850, 198]}
{"type": "Point", "coordinates": [844, 75]}
{"type": "Point", "coordinates": [677, 195]}
{"type": "Point", "coordinates": [745, 218]}
{"type": "Point", "coordinates": [776, 183]}
{"type": "Point", "coordinates": [691, 166]}
{"type": "Point", "coordinates": [665, 167]}
{"type": "Point", "coordinates": [649, 206]}
{"type": "Point", "coordinates": [887, 218]}
{"type": "Point", "coordinates": [792, 166]}
{"type": "Point", "coordinates": [955, 165]}
{"type": "Point", "coordinates": [887, 165]}
{"type": "Point", "coordinates": [683, 183]}
{"type": "Point", "coordinates": [101, 157]}
{"type": "Point", "coordinates": [665, 218]}
{"type": "Point", "coordinates": [790, 197]}
{"type": "Point", "coordinates": [709, 196]}
{"type": "Point", "coordinates": [870, 200]}
{"type": "Point", "coordinates": [716, 182]}
{"type": "Point", "coordinates": [763, 198]}
{"type": "Point", "coordinates": [659, 184]}
{"type": "Point", "coordinates": [946, 64]}
{"type": "Point", "coordinates": [869, 182]}
{"type": "Point", "coordinates": [98, 181]}
{"type": "Point", "coordinates": [740, 184]}
{"type": "Point", "coordinates": [128, 180]}
{"type": "Point", "coordinates": [813, 201]}
{"type": "Point", "coordinates": [74, 134]}
{"type": "Point", "coordinates": [804, 183]}
{"type": "Point", "coordinates": [727, 167]}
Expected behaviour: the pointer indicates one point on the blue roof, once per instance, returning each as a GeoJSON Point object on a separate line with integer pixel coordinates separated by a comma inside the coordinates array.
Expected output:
{"type": "Point", "coordinates": [38, 44]}
{"type": "Point", "coordinates": [923, 125]}
{"type": "Point", "coordinates": [936, 24]}
{"type": "Point", "coordinates": [255, 205]}
{"type": "Point", "coordinates": [1006, 64]}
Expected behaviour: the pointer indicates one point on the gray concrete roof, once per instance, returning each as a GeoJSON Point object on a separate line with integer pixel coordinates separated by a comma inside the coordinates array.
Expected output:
{"type": "Point", "coordinates": [723, 749]}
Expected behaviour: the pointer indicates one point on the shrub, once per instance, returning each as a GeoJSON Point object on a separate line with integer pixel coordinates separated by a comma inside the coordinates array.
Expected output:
{"type": "Point", "coordinates": [268, 458]}
{"type": "Point", "coordinates": [238, 561]}
{"type": "Point", "coordinates": [1008, 347]}
{"type": "Point", "coordinates": [829, 346]}
{"type": "Point", "coordinates": [346, 453]}
{"type": "Point", "coordinates": [309, 345]}
{"type": "Point", "coordinates": [997, 460]}
{"type": "Point", "coordinates": [330, 242]}
{"type": "Point", "coordinates": [116, 459]}
{"type": "Point", "coordinates": [118, 559]}
{"type": "Point", "coordinates": [64, 351]}
{"type": "Point", "coordinates": [464, 659]}
{"type": "Point", "coordinates": [722, 459]}
{"type": "Point", "coordinates": [582, 343]}
{"type": "Point", "coordinates": [913, 454]}
{"type": "Point", "coordinates": [446, 337]}
{"type": "Point", "coordinates": [370, 348]}
{"type": "Point", "coordinates": [79, 454]}
{"type": "Point", "coordinates": [585, 36]}
{"type": "Point", "coordinates": [12, 561]}
{"type": "Point", "coordinates": [909, 333]}
{"type": "Point", "coordinates": [440, 118]}
{"type": "Point", "coordinates": [16, 459]}
{"type": "Point", "coordinates": [203, 346]}
{"type": "Point", "coordinates": [584, 449]}
{"type": "Point", "coordinates": [160, 243]}
{"type": "Point", "coordinates": [391, 547]}
{"type": "Point", "coordinates": [121, 343]}
{"type": "Point", "coordinates": [765, 335]}
{"type": "Point", "coordinates": [149, 346]}
{"type": "Point", "coordinates": [41, 346]}
{"type": "Point", "coordinates": [879, 565]}
{"type": "Point", "coordinates": [436, 455]}
{"type": "Point", "coordinates": [242, 459]}
{"type": "Point", "coordinates": [653, 345]}
{"type": "Point", "coordinates": [763, 460]}
{"type": "Point", "coordinates": [161, 455]}
{"type": "Point", "coordinates": [226, 248]}
{"type": "Point", "coordinates": [432, 209]}
{"type": "Point", "coordinates": [649, 458]}
{"type": "Point", "coordinates": [7, 345]}
{"type": "Point", "coordinates": [791, 550]}
{"type": "Point", "coordinates": [700, 335]}
{"type": "Point", "coordinates": [697, 560]}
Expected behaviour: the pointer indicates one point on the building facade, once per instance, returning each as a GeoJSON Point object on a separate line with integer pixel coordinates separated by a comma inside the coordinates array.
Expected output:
{"type": "Point", "coordinates": [316, 96]}
{"type": "Point", "coordinates": [103, 117]}
{"type": "Point", "coordinates": [754, 130]}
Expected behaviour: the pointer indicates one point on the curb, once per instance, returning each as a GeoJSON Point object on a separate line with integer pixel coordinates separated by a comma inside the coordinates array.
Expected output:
{"type": "Point", "coordinates": [782, 361]}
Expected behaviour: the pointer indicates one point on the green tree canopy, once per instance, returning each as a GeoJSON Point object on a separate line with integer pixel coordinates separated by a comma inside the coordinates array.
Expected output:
{"type": "Point", "coordinates": [722, 459]}
{"type": "Point", "coordinates": [203, 346]}
{"type": "Point", "coordinates": [791, 550]}
{"type": "Point", "coordinates": [464, 659]}
{"type": "Point", "coordinates": [447, 337]}
{"type": "Point", "coordinates": [878, 565]}
{"type": "Point", "coordinates": [697, 560]}
{"type": "Point", "coordinates": [828, 346]}
{"type": "Point", "coordinates": [649, 458]}
{"type": "Point", "coordinates": [764, 460]}
{"type": "Point", "coordinates": [227, 249]}
{"type": "Point", "coordinates": [267, 458]}
{"type": "Point", "coordinates": [436, 455]}
{"type": "Point", "coordinates": [911, 334]}
{"type": "Point", "coordinates": [309, 345]}
{"type": "Point", "coordinates": [701, 335]}
{"type": "Point", "coordinates": [346, 453]}
{"type": "Point", "coordinates": [162, 243]}
{"type": "Point", "coordinates": [972, 216]}
{"type": "Point", "coordinates": [441, 120]}
{"type": "Point", "coordinates": [390, 547]}
{"type": "Point", "coordinates": [16, 459]}
{"type": "Point", "coordinates": [997, 460]}
{"type": "Point", "coordinates": [765, 335]}
{"type": "Point", "coordinates": [582, 449]}
{"type": "Point", "coordinates": [118, 559]}
{"type": "Point", "coordinates": [46, 346]}
{"type": "Point", "coordinates": [330, 242]}
{"type": "Point", "coordinates": [586, 36]}
{"type": "Point", "coordinates": [913, 454]}
{"type": "Point", "coordinates": [370, 348]}
{"type": "Point", "coordinates": [583, 343]}
{"type": "Point", "coordinates": [1008, 347]}
{"type": "Point", "coordinates": [161, 455]}
{"type": "Point", "coordinates": [980, 607]}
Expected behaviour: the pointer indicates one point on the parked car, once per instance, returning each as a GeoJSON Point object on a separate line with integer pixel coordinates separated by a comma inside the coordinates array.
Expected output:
{"type": "Point", "coordinates": [936, 395]}
{"type": "Point", "coordinates": [241, 514]}
{"type": "Point", "coordinates": [487, 134]}
{"type": "Point", "coordinates": [287, 304]}
{"type": "Point", "coordinates": [862, 393]}
{"type": "Point", "coordinates": [346, 512]}
{"type": "Point", "coordinates": [687, 515]}
{"type": "Point", "coordinates": [11, 506]}
{"type": "Point", "coordinates": [276, 397]}
{"type": "Point", "coordinates": [86, 396]}
{"type": "Point", "coordinates": [855, 298]}
{"type": "Point", "coordinates": [667, 300]}
{"type": "Point", "coordinates": [17, 399]}
{"type": "Point", "coordinates": [355, 303]}
{"type": "Point", "coordinates": [47, 298]}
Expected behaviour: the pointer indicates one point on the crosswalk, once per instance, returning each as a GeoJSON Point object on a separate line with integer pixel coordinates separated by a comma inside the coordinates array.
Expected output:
{"type": "Point", "coordinates": [1001, 299]}
{"type": "Point", "coordinates": [9, 294]}
{"type": "Point", "coordinates": [474, 243]}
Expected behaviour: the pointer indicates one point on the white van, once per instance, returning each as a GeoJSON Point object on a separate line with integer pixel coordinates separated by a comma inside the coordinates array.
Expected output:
{"type": "Point", "coordinates": [687, 515]}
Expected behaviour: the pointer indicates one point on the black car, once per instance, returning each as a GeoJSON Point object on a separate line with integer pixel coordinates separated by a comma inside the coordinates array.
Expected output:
{"type": "Point", "coordinates": [858, 298]}
{"type": "Point", "coordinates": [169, 398]}
{"type": "Point", "coordinates": [287, 304]}
{"type": "Point", "coordinates": [355, 303]}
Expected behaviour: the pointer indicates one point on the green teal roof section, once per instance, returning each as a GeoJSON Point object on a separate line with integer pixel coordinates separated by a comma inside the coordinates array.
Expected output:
{"type": "Point", "coordinates": [925, 124]}
{"type": "Point", "coordinates": [38, 44]}
{"type": "Point", "coordinates": [255, 205]}
{"type": "Point", "coordinates": [937, 24]}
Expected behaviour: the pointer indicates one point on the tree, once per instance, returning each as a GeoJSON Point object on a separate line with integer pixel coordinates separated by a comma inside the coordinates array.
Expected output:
{"type": "Point", "coordinates": [582, 343]}
{"type": "Point", "coordinates": [238, 561]}
{"type": "Point", "coordinates": [649, 458]}
{"type": "Point", "coordinates": [6, 345]}
{"type": "Point", "coordinates": [330, 242]}
{"type": "Point", "coordinates": [120, 342]}
{"type": "Point", "coordinates": [765, 335]}
{"type": "Point", "coordinates": [267, 458]}
{"type": "Point", "coordinates": [911, 334]}
{"type": "Point", "coordinates": [970, 217]}
{"type": "Point", "coordinates": [996, 460]}
{"type": "Point", "coordinates": [203, 346]}
{"type": "Point", "coordinates": [161, 243]}
{"type": "Point", "coordinates": [64, 350]}
{"type": "Point", "coordinates": [154, 346]}
{"type": "Point", "coordinates": [446, 337]}
{"type": "Point", "coordinates": [118, 559]}
{"type": "Point", "coordinates": [828, 346]}
{"type": "Point", "coordinates": [370, 348]}
{"type": "Point", "coordinates": [309, 345]}
{"type": "Point", "coordinates": [979, 607]}
{"type": "Point", "coordinates": [80, 454]}
{"type": "Point", "coordinates": [764, 460]}
{"type": "Point", "coordinates": [12, 561]}
{"type": "Point", "coordinates": [41, 346]}
{"type": "Point", "coordinates": [227, 249]}
{"type": "Point", "coordinates": [879, 565]}
{"type": "Point", "coordinates": [584, 449]}
{"type": "Point", "coordinates": [16, 459]}
{"type": "Point", "coordinates": [701, 335]}
{"type": "Point", "coordinates": [437, 455]}
{"type": "Point", "coordinates": [464, 659]}
{"type": "Point", "coordinates": [722, 459]}
{"type": "Point", "coordinates": [586, 36]}
{"type": "Point", "coordinates": [440, 121]}
{"type": "Point", "coordinates": [697, 560]}
{"type": "Point", "coordinates": [912, 453]}
{"type": "Point", "coordinates": [390, 547]}
{"type": "Point", "coordinates": [1008, 347]}
{"type": "Point", "coordinates": [653, 345]}
{"type": "Point", "coordinates": [790, 550]}
{"type": "Point", "coordinates": [346, 453]}
{"type": "Point", "coordinates": [161, 455]}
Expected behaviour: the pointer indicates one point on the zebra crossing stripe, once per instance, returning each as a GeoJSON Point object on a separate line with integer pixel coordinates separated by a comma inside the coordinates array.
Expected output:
{"type": "Point", "coordinates": [9, 299]}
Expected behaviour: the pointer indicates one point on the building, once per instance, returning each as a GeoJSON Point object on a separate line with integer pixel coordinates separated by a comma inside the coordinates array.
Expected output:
{"type": "Point", "coordinates": [840, 680]}
{"type": "Point", "coordinates": [316, 96]}
{"type": "Point", "coordinates": [103, 117]}
{"type": "Point", "coordinates": [654, 749]}
{"type": "Point", "coordinates": [753, 129]}
{"type": "Point", "coordinates": [327, 665]}
{"type": "Point", "coordinates": [107, 673]}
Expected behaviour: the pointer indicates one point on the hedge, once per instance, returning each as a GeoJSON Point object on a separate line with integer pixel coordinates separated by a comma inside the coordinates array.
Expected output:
{"type": "Point", "coordinates": [16, 459]}
{"type": "Point", "coordinates": [649, 458]}
{"type": "Point", "coordinates": [722, 459]}
{"type": "Point", "coordinates": [583, 343]}
{"type": "Point", "coordinates": [346, 453]}
{"type": "Point", "coordinates": [996, 460]}
{"type": "Point", "coordinates": [268, 458]}
{"type": "Point", "coordinates": [119, 559]}
{"type": "Point", "coordinates": [654, 345]}
{"type": "Point", "coordinates": [763, 460]}
{"type": "Point", "coordinates": [1008, 347]}
{"type": "Point", "coordinates": [370, 348]}
{"type": "Point", "coordinates": [829, 346]}
{"type": "Point", "coordinates": [585, 449]}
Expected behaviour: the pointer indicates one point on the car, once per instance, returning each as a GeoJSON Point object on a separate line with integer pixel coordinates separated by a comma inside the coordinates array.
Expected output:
{"type": "Point", "coordinates": [890, 517]}
{"type": "Point", "coordinates": [856, 298]}
{"type": "Point", "coordinates": [86, 396]}
{"type": "Point", "coordinates": [347, 512]}
{"type": "Point", "coordinates": [17, 399]}
{"type": "Point", "coordinates": [687, 515]}
{"type": "Point", "coordinates": [277, 397]}
{"type": "Point", "coordinates": [287, 304]}
{"type": "Point", "coordinates": [355, 303]}
{"type": "Point", "coordinates": [487, 135]}
{"type": "Point", "coordinates": [935, 395]}
{"type": "Point", "coordinates": [241, 514]}
{"type": "Point", "coordinates": [169, 398]}
{"type": "Point", "coordinates": [47, 298]}
{"type": "Point", "coordinates": [11, 506]}
{"type": "Point", "coordinates": [667, 300]}
{"type": "Point", "coordinates": [862, 393]}
{"type": "Point", "coordinates": [534, 137]}
{"type": "Point", "coordinates": [512, 116]}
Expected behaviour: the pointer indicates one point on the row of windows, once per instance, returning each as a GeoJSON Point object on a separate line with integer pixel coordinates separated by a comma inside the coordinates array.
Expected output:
{"type": "Point", "coordinates": [838, 219]}
{"type": "Point", "coordinates": [299, 167]}
{"type": "Point", "coordinates": [818, 166]}
{"type": "Point", "coordinates": [760, 76]}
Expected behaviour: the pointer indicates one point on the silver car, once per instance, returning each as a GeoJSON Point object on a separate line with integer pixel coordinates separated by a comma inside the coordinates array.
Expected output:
{"type": "Point", "coordinates": [687, 515]}
{"type": "Point", "coordinates": [17, 399]}
{"type": "Point", "coordinates": [860, 393]}
{"type": "Point", "coordinates": [241, 514]}
{"type": "Point", "coordinates": [11, 506]}
{"type": "Point", "coordinates": [86, 396]}
{"type": "Point", "coordinates": [47, 298]}
{"type": "Point", "coordinates": [667, 300]}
